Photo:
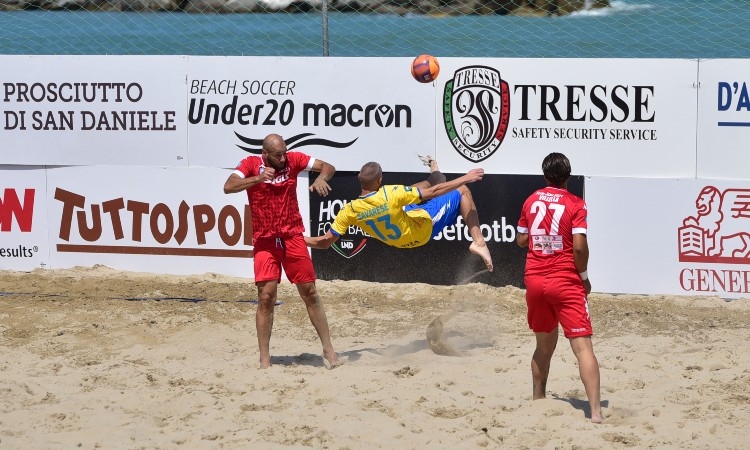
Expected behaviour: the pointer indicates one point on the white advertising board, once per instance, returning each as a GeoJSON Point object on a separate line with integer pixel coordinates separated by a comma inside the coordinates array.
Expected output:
{"type": "Point", "coordinates": [612, 117]}
{"type": "Point", "coordinates": [346, 111]}
{"type": "Point", "coordinates": [724, 119]}
{"type": "Point", "coordinates": [669, 236]}
{"type": "Point", "coordinates": [93, 110]}
{"type": "Point", "coordinates": [148, 219]}
{"type": "Point", "coordinates": [23, 218]}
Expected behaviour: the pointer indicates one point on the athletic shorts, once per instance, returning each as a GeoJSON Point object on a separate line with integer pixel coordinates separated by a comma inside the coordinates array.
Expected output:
{"type": "Point", "coordinates": [443, 210]}
{"type": "Point", "coordinates": [271, 254]}
{"type": "Point", "coordinates": [558, 300]}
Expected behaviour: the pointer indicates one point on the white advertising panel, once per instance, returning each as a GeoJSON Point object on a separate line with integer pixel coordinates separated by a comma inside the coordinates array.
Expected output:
{"type": "Point", "coordinates": [148, 219]}
{"type": "Point", "coordinates": [346, 111]}
{"type": "Point", "coordinates": [724, 119]}
{"type": "Point", "coordinates": [93, 110]}
{"type": "Point", "coordinates": [667, 236]}
{"type": "Point", "coordinates": [612, 117]}
{"type": "Point", "coordinates": [23, 218]}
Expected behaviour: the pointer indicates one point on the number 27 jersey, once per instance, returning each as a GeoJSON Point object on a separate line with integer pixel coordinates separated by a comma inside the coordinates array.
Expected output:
{"type": "Point", "coordinates": [551, 216]}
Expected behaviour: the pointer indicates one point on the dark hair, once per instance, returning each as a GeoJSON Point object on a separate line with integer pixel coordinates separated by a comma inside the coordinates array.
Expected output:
{"type": "Point", "coordinates": [556, 168]}
{"type": "Point", "coordinates": [369, 175]}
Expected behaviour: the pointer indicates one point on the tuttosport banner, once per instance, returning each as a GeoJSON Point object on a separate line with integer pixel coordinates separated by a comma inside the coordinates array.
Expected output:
{"type": "Point", "coordinates": [611, 117]}
{"type": "Point", "coordinates": [724, 119]}
{"type": "Point", "coordinates": [446, 259]}
{"type": "Point", "coordinates": [93, 110]}
{"type": "Point", "coordinates": [346, 111]}
{"type": "Point", "coordinates": [23, 218]}
{"type": "Point", "coordinates": [148, 219]}
{"type": "Point", "coordinates": [680, 236]}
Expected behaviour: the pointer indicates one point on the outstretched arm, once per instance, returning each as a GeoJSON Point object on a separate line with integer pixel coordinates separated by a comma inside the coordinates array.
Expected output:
{"type": "Point", "coordinates": [320, 185]}
{"type": "Point", "coordinates": [321, 242]}
{"type": "Point", "coordinates": [443, 188]}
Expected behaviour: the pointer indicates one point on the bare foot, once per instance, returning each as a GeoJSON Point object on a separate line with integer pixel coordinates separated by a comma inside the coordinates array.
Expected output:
{"type": "Point", "coordinates": [331, 358]}
{"type": "Point", "coordinates": [597, 418]}
{"type": "Point", "coordinates": [264, 364]}
{"type": "Point", "coordinates": [333, 362]}
{"type": "Point", "coordinates": [483, 252]}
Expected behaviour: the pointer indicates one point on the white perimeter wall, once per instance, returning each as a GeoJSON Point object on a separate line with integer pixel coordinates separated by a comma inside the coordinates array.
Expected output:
{"type": "Point", "coordinates": [148, 141]}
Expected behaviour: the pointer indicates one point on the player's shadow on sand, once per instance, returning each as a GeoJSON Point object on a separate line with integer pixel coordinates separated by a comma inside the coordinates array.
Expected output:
{"type": "Point", "coordinates": [581, 405]}
{"type": "Point", "coordinates": [303, 359]}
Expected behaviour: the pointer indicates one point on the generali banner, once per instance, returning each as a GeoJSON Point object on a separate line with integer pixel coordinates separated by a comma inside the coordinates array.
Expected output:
{"type": "Point", "coordinates": [655, 236]}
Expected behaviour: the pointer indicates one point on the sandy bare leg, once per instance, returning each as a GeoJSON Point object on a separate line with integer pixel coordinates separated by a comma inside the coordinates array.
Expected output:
{"type": "Point", "coordinates": [267, 292]}
{"type": "Point", "coordinates": [481, 250]}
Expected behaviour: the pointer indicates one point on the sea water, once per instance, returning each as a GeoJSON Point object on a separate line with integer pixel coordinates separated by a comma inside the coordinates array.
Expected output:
{"type": "Point", "coordinates": [628, 29]}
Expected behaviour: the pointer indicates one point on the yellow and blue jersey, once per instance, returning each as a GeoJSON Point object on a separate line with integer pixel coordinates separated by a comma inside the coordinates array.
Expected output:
{"type": "Point", "coordinates": [381, 215]}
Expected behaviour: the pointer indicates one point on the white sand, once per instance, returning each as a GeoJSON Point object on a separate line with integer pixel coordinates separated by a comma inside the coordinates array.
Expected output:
{"type": "Point", "coordinates": [83, 366]}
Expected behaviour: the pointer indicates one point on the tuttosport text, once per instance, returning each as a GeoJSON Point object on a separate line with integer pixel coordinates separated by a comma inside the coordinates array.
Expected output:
{"type": "Point", "coordinates": [138, 221]}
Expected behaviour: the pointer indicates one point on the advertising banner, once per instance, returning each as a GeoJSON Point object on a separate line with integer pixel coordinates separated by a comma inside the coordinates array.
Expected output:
{"type": "Point", "coordinates": [148, 219]}
{"type": "Point", "coordinates": [724, 119]}
{"type": "Point", "coordinates": [654, 236]}
{"type": "Point", "coordinates": [345, 111]}
{"type": "Point", "coordinates": [23, 218]}
{"type": "Point", "coordinates": [611, 117]}
{"type": "Point", "coordinates": [93, 110]}
{"type": "Point", "coordinates": [446, 259]}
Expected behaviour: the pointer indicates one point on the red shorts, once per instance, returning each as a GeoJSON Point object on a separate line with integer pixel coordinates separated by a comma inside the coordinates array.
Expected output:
{"type": "Point", "coordinates": [558, 300]}
{"type": "Point", "coordinates": [271, 254]}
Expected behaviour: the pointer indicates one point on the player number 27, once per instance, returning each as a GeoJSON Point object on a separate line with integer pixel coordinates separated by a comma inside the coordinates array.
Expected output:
{"type": "Point", "coordinates": [539, 209]}
{"type": "Point", "coordinates": [392, 232]}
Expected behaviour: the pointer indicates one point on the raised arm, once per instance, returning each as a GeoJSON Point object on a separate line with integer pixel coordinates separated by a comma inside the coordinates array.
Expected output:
{"type": "Point", "coordinates": [320, 185]}
{"type": "Point", "coordinates": [236, 183]}
{"type": "Point", "coordinates": [443, 188]}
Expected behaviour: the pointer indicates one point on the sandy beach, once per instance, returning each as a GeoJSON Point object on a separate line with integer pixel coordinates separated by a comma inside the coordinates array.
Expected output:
{"type": "Point", "coordinates": [99, 358]}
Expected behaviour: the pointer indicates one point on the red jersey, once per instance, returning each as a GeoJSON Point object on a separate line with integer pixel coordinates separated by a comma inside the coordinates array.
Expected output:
{"type": "Point", "coordinates": [273, 204]}
{"type": "Point", "coordinates": [551, 216]}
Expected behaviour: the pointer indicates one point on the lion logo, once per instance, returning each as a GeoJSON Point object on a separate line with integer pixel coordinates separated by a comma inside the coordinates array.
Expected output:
{"type": "Point", "coordinates": [720, 232]}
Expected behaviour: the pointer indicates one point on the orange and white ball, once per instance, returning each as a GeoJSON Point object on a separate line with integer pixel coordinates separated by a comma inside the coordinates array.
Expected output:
{"type": "Point", "coordinates": [425, 68]}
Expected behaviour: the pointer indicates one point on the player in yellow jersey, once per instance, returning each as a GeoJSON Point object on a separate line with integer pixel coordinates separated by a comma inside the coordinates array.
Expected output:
{"type": "Point", "coordinates": [409, 216]}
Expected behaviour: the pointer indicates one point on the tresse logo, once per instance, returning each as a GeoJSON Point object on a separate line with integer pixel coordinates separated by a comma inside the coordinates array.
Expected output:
{"type": "Point", "coordinates": [720, 234]}
{"type": "Point", "coordinates": [476, 111]}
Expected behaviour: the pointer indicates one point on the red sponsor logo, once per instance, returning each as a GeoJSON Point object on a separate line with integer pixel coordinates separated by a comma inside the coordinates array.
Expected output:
{"type": "Point", "coordinates": [11, 207]}
{"type": "Point", "coordinates": [718, 234]}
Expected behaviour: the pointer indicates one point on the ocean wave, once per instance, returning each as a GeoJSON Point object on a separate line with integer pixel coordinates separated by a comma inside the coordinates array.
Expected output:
{"type": "Point", "coordinates": [616, 7]}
